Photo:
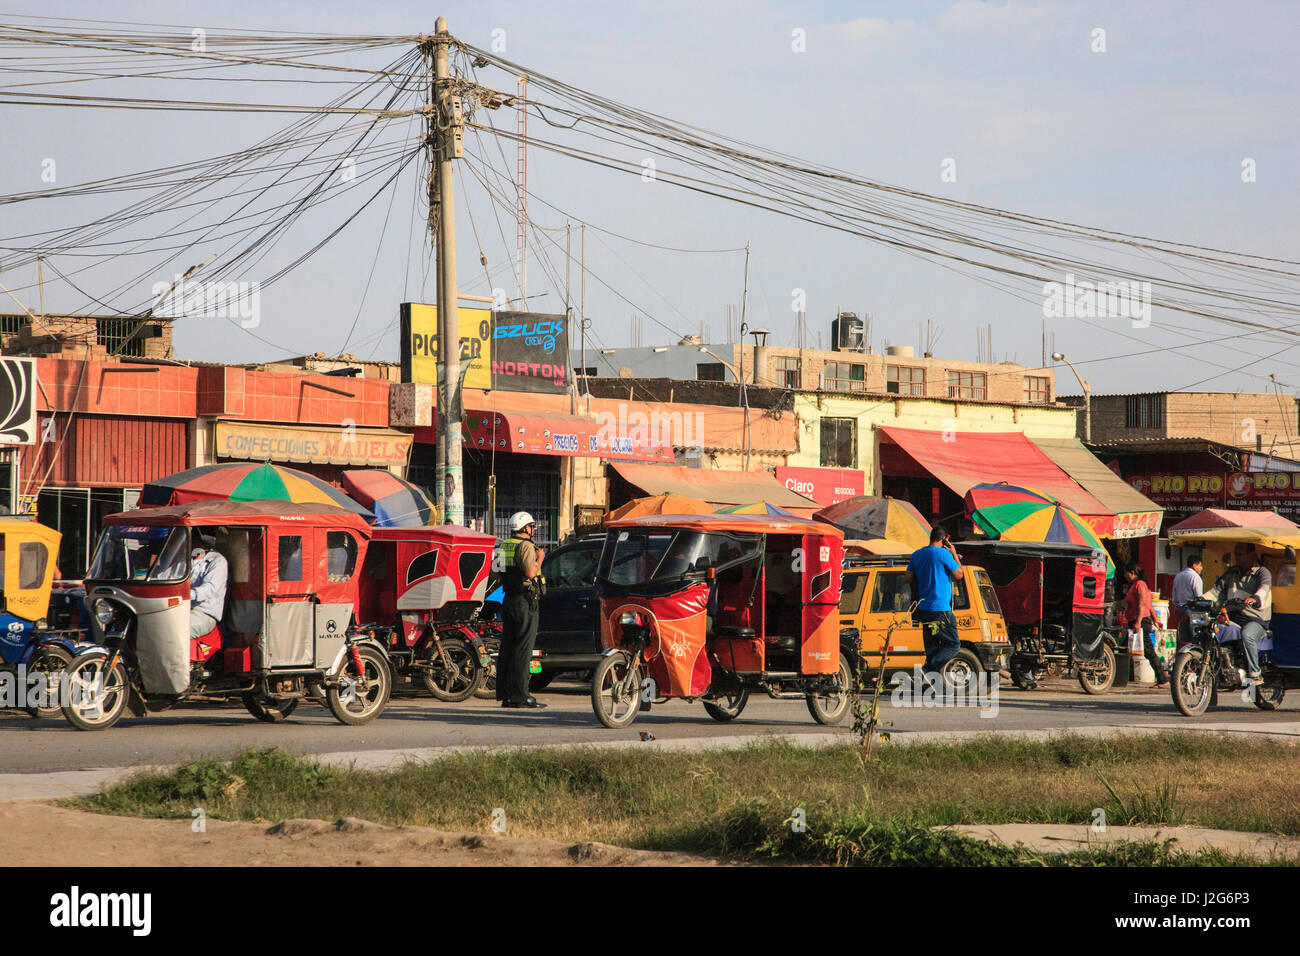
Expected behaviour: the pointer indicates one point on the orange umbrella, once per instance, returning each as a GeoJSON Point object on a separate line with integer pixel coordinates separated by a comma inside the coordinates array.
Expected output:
{"type": "Point", "coordinates": [662, 505]}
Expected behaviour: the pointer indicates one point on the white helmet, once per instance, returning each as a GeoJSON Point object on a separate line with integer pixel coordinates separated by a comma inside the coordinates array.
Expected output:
{"type": "Point", "coordinates": [520, 520]}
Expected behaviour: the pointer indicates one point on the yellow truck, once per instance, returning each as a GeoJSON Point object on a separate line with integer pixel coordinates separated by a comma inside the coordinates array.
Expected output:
{"type": "Point", "coordinates": [877, 593]}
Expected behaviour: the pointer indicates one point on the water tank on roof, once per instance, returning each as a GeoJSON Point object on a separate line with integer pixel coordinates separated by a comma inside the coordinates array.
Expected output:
{"type": "Point", "coordinates": [848, 333]}
{"type": "Point", "coordinates": [901, 351]}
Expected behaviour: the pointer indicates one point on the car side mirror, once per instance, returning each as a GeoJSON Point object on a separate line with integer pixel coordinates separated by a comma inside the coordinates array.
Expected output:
{"type": "Point", "coordinates": [1289, 553]}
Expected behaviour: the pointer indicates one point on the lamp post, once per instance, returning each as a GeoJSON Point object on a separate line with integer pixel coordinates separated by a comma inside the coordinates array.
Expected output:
{"type": "Point", "coordinates": [1087, 395]}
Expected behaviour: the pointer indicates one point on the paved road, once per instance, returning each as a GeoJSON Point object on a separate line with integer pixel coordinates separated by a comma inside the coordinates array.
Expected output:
{"type": "Point", "coordinates": [416, 721]}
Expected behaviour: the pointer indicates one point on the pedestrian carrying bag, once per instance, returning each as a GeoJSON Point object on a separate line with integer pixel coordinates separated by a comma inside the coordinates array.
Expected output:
{"type": "Point", "coordinates": [1135, 642]}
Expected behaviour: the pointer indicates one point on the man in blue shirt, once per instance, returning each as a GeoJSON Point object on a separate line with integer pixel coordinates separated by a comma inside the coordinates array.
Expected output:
{"type": "Point", "coordinates": [932, 570]}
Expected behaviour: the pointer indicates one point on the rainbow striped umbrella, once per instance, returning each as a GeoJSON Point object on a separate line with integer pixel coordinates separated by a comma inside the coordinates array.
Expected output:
{"type": "Point", "coordinates": [396, 502]}
{"type": "Point", "coordinates": [757, 508]}
{"type": "Point", "coordinates": [1013, 513]}
{"type": "Point", "coordinates": [246, 481]}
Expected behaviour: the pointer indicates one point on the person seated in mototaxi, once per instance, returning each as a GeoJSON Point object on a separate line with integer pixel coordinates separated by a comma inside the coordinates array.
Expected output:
{"type": "Point", "coordinates": [208, 575]}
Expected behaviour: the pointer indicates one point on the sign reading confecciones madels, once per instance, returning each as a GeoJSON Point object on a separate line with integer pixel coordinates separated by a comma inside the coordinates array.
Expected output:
{"type": "Point", "coordinates": [17, 401]}
{"type": "Point", "coordinates": [515, 351]}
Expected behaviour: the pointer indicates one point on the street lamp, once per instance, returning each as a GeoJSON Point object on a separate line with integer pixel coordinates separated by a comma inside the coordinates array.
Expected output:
{"type": "Point", "coordinates": [1087, 395]}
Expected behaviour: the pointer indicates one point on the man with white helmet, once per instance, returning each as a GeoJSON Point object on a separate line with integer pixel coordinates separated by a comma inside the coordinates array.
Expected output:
{"type": "Point", "coordinates": [519, 563]}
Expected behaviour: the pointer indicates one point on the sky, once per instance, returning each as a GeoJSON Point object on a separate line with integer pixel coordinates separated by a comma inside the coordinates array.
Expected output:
{"type": "Point", "coordinates": [1009, 105]}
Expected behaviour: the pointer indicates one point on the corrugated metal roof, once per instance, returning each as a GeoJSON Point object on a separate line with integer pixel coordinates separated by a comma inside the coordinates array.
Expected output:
{"type": "Point", "coordinates": [1098, 480]}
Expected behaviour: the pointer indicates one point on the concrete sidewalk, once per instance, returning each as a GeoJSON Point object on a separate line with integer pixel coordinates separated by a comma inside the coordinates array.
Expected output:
{"type": "Point", "coordinates": [1062, 838]}
{"type": "Point", "coordinates": [71, 783]}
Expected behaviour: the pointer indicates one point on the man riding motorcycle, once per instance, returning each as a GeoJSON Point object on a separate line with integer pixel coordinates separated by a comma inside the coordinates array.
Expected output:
{"type": "Point", "coordinates": [1248, 581]}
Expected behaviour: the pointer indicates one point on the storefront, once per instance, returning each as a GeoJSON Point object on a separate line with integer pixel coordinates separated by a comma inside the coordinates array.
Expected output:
{"type": "Point", "coordinates": [717, 486]}
{"type": "Point", "coordinates": [934, 470]}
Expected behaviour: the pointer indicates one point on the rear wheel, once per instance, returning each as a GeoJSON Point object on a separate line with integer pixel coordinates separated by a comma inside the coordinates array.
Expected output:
{"type": "Point", "coordinates": [616, 690]}
{"type": "Point", "coordinates": [48, 668]}
{"type": "Point", "coordinates": [727, 708]}
{"type": "Point", "coordinates": [1192, 683]}
{"type": "Point", "coordinates": [360, 698]}
{"type": "Point", "coordinates": [271, 710]}
{"type": "Point", "coordinates": [1096, 677]}
{"type": "Point", "coordinates": [453, 675]}
{"type": "Point", "coordinates": [97, 694]}
{"type": "Point", "coordinates": [830, 709]}
{"type": "Point", "coordinates": [487, 687]}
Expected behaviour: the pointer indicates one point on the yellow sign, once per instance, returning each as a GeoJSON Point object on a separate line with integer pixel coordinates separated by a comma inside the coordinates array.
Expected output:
{"type": "Point", "coordinates": [420, 345]}
{"type": "Point", "coordinates": [377, 447]}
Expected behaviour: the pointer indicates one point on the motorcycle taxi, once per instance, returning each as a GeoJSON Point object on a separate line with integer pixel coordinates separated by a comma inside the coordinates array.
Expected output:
{"type": "Point", "coordinates": [286, 634]}
{"type": "Point", "coordinates": [1214, 659]}
{"type": "Point", "coordinates": [35, 644]}
{"type": "Point", "coordinates": [716, 607]}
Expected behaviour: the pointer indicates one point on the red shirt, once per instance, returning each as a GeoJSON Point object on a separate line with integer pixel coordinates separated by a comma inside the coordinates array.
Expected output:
{"type": "Point", "coordinates": [1137, 603]}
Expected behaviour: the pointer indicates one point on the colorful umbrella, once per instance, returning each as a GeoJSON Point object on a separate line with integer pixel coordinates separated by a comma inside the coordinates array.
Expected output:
{"type": "Point", "coordinates": [396, 502]}
{"type": "Point", "coordinates": [246, 481]}
{"type": "Point", "coordinates": [758, 508]}
{"type": "Point", "coordinates": [1013, 513]}
{"type": "Point", "coordinates": [874, 521]}
{"type": "Point", "coordinates": [662, 505]}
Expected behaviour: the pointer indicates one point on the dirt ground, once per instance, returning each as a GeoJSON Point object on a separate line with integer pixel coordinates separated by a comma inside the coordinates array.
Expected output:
{"type": "Point", "coordinates": [92, 839]}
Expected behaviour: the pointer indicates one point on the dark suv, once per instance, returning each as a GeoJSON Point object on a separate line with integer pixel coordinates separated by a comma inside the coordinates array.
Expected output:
{"type": "Point", "coordinates": [568, 629]}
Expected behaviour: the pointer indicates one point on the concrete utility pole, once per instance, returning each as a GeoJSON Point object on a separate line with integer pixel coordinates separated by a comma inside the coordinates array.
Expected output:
{"type": "Point", "coordinates": [447, 145]}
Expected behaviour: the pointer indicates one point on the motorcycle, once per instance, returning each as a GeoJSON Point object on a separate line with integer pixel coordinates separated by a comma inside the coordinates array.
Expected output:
{"type": "Point", "coordinates": [1209, 664]}
{"type": "Point", "coordinates": [286, 632]}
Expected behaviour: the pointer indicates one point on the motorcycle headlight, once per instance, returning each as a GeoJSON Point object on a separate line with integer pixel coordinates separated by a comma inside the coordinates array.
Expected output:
{"type": "Point", "coordinates": [104, 612]}
{"type": "Point", "coordinates": [628, 618]}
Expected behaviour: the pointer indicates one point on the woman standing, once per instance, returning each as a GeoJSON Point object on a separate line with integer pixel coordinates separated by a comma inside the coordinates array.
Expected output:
{"type": "Point", "coordinates": [1136, 612]}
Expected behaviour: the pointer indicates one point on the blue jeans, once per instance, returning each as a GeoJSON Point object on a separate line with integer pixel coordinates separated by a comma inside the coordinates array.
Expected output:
{"type": "Point", "coordinates": [1251, 632]}
{"type": "Point", "coordinates": [939, 633]}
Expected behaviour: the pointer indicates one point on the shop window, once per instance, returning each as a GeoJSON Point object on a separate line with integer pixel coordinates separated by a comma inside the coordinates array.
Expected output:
{"type": "Point", "coordinates": [972, 385]}
{"type": "Point", "coordinates": [905, 380]}
{"type": "Point", "coordinates": [787, 371]}
{"type": "Point", "coordinates": [710, 372]}
{"type": "Point", "coordinates": [32, 559]}
{"type": "Point", "coordinates": [839, 442]}
{"type": "Point", "coordinates": [844, 377]}
{"type": "Point", "coordinates": [1145, 411]}
{"type": "Point", "coordinates": [1038, 389]}
{"type": "Point", "coordinates": [341, 555]}
{"type": "Point", "coordinates": [290, 567]}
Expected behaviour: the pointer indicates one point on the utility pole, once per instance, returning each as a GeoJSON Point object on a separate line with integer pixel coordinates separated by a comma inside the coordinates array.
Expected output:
{"type": "Point", "coordinates": [447, 145]}
{"type": "Point", "coordinates": [582, 308]}
{"type": "Point", "coordinates": [744, 394]}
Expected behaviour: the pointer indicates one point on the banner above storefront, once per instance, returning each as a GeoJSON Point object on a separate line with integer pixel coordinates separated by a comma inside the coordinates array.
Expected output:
{"type": "Point", "coordinates": [380, 448]}
{"type": "Point", "coordinates": [516, 351]}
{"type": "Point", "coordinates": [1260, 491]}
{"type": "Point", "coordinates": [826, 486]}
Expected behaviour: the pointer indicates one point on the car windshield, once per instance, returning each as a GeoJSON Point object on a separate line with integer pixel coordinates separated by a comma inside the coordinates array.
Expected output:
{"type": "Point", "coordinates": [639, 557]}
{"type": "Point", "coordinates": [131, 553]}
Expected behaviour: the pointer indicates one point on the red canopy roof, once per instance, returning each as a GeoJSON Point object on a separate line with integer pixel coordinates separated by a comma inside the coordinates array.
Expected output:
{"type": "Point", "coordinates": [962, 460]}
{"type": "Point", "coordinates": [202, 513]}
{"type": "Point", "coordinates": [1232, 518]}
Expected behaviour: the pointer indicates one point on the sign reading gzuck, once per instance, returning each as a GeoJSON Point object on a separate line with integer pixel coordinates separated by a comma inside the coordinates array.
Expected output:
{"type": "Point", "coordinates": [530, 352]}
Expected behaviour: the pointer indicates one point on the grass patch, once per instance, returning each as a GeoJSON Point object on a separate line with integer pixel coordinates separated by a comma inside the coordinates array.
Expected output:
{"type": "Point", "coordinates": [740, 803]}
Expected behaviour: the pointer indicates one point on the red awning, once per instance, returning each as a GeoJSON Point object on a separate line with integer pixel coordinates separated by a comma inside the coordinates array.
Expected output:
{"type": "Point", "coordinates": [555, 434]}
{"type": "Point", "coordinates": [963, 459]}
{"type": "Point", "coordinates": [717, 487]}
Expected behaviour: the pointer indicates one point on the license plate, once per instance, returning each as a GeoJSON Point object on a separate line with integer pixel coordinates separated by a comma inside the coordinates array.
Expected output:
{"type": "Point", "coordinates": [534, 667]}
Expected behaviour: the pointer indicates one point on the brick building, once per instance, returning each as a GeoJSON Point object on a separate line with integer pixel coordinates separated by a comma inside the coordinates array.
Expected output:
{"type": "Point", "coordinates": [1256, 421]}
{"type": "Point", "coordinates": [95, 336]}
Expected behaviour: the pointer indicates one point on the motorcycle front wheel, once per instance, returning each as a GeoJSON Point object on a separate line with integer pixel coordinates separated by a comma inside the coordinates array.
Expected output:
{"type": "Point", "coordinates": [616, 691]}
{"type": "Point", "coordinates": [97, 695]}
{"type": "Point", "coordinates": [1192, 683]}
{"type": "Point", "coordinates": [1097, 677]}
{"type": "Point", "coordinates": [360, 698]}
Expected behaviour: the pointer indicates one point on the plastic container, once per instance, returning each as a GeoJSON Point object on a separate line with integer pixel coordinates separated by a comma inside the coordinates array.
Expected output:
{"type": "Point", "coordinates": [1142, 671]}
{"type": "Point", "coordinates": [1160, 610]}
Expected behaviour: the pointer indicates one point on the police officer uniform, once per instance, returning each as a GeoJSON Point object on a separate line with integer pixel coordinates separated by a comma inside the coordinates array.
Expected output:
{"type": "Point", "coordinates": [518, 614]}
